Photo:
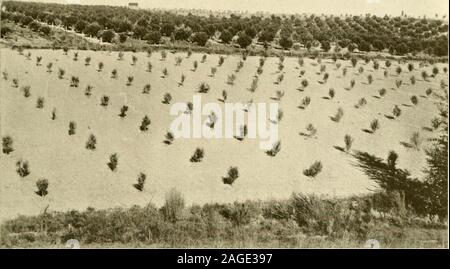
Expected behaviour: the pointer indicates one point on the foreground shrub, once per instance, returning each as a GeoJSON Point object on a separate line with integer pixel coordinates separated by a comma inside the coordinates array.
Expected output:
{"type": "Point", "coordinates": [172, 210]}
{"type": "Point", "coordinates": [239, 214]}
{"type": "Point", "coordinates": [332, 218]}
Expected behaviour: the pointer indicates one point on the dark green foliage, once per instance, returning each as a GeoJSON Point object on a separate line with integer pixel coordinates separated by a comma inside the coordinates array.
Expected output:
{"type": "Point", "coordinates": [313, 170]}
{"type": "Point", "coordinates": [72, 127]}
{"type": "Point", "coordinates": [232, 175]}
{"type": "Point", "coordinates": [123, 111]}
{"type": "Point", "coordinates": [390, 178]}
{"type": "Point", "coordinates": [91, 143]}
{"type": "Point", "coordinates": [7, 144]}
{"type": "Point", "coordinates": [145, 123]}
{"type": "Point", "coordinates": [198, 155]}
{"type": "Point", "coordinates": [113, 162]}
{"type": "Point", "coordinates": [140, 182]}
{"type": "Point", "coordinates": [275, 149]}
{"type": "Point", "coordinates": [23, 168]}
{"type": "Point", "coordinates": [42, 186]}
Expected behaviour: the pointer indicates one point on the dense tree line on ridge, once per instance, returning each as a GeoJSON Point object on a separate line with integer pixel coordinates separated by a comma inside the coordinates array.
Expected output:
{"type": "Point", "coordinates": [400, 35]}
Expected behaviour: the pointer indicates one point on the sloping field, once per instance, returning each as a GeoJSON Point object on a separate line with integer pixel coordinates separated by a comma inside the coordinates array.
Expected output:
{"type": "Point", "coordinates": [79, 178]}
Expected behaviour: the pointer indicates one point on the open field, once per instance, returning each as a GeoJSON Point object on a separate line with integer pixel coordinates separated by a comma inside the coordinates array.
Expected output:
{"type": "Point", "coordinates": [79, 178]}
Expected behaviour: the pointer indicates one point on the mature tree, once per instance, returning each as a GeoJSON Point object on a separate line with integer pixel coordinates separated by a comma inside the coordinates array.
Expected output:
{"type": "Point", "coordinates": [122, 37]}
{"type": "Point", "coordinates": [200, 38]}
{"type": "Point", "coordinates": [244, 40]}
{"type": "Point", "coordinates": [79, 26]}
{"type": "Point", "coordinates": [286, 42]}
{"type": "Point", "coordinates": [226, 36]}
{"type": "Point", "coordinates": [108, 36]}
{"type": "Point", "coordinates": [44, 29]}
{"type": "Point", "coordinates": [34, 26]}
{"type": "Point", "coordinates": [267, 35]}
{"type": "Point", "coordinates": [325, 45]}
{"type": "Point", "coordinates": [92, 29]}
{"type": "Point", "coordinates": [182, 33]}
{"type": "Point", "coordinates": [167, 29]}
{"type": "Point", "coordinates": [153, 37]}
{"type": "Point", "coordinates": [140, 31]}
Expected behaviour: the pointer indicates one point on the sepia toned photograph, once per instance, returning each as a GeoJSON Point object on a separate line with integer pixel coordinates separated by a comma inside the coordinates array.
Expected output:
{"type": "Point", "coordinates": [224, 124]}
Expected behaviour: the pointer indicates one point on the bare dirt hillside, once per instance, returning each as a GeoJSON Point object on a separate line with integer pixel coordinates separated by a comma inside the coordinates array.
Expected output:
{"type": "Point", "coordinates": [79, 178]}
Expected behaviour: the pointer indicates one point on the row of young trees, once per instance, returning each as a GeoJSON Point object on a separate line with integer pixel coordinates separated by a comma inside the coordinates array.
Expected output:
{"type": "Point", "coordinates": [398, 34]}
